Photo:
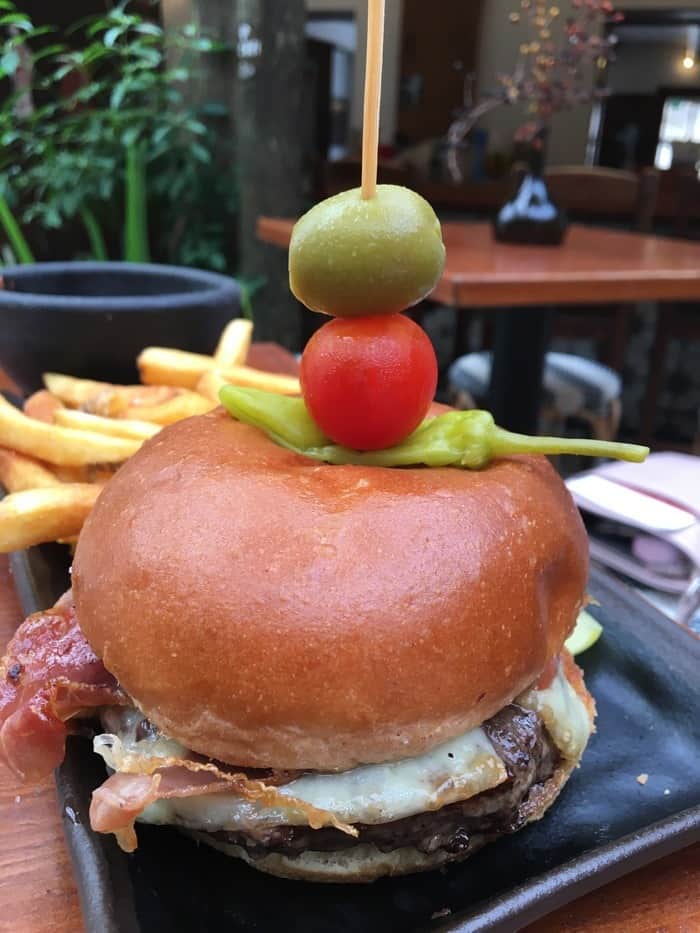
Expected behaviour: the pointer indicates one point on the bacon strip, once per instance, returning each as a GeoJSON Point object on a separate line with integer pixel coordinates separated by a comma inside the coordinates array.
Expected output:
{"type": "Point", "coordinates": [49, 676]}
{"type": "Point", "coordinates": [139, 781]}
{"type": "Point", "coordinates": [122, 798]}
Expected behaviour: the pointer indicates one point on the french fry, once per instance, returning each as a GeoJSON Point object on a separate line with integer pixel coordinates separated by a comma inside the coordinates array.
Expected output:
{"type": "Point", "coordinates": [157, 404]}
{"type": "Point", "coordinates": [210, 384]}
{"type": "Point", "coordinates": [71, 391]}
{"type": "Point", "coordinates": [159, 366]}
{"type": "Point", "coordinates": [35, 516]}
{"type": "Point", "coordinates": [234, 344]}
{"type": "Point", "coordinates": [107, 403]}
{"type": "Point", "coordinates": [184, 405]}
{"type": "Point", "coordinates": [57, 454]}
{"type": "Point", "coordinates": [18, 472]}
{"type": "Point", "coordinates": [115, 401]}
{"type": "Point", "coordinates": [58, 445]}
{"type": "Point", "coordinates": [259, 379]}
{"type": "Point", "coordinates": [116, 427]}
{"type": "Point", "coordinates": [104, 398]}
{"type": "Point", "coordinates": [42, 406]}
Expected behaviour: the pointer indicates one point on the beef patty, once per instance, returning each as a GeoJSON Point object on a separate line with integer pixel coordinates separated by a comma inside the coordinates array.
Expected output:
{"type": "Point", "coordinates": [530, 757]}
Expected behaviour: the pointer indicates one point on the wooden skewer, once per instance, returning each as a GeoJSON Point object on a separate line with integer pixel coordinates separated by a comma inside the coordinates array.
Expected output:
{"type": "Point", "coordinates": [373, 96]}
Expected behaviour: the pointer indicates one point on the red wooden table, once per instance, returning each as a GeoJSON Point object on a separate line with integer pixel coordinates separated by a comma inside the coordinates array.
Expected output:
{"type": "Point", "coordinates": [38, 893]}
{"type": "Point", "coordinates": [594, 265]}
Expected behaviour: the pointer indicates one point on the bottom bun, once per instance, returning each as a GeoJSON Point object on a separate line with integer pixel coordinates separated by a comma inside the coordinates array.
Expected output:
{"type": "Point", "coordinates": [362, 863]}
{"type": "Point", "coordinates": [365, 863]}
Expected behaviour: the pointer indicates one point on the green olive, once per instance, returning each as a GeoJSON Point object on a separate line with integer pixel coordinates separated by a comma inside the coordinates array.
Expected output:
{"type": "Point", "coordinates": [350, 257]}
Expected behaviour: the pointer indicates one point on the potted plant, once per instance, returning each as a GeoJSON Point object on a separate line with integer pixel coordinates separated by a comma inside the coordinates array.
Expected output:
{"type": "Point", "coordinates": [561, 60]}
{"type": "Point", "coordinates": [96, 140]}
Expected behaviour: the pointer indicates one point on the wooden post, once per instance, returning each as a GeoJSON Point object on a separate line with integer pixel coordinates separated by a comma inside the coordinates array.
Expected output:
{"type": "Point", "coordinates": [270, 146]}
{"type": "Point", "coordinates": [263, 85]}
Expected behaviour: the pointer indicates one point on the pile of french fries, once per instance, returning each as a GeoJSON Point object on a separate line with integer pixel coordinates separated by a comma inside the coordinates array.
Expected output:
{"type": "Point", "coordinates": [58, 453]}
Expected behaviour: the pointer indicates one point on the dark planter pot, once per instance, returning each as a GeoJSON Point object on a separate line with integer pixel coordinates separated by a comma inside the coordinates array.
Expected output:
{"type": "Point", "coordinates": [531, 217]}
{"type": "Point", "coordinates": [92, 319]}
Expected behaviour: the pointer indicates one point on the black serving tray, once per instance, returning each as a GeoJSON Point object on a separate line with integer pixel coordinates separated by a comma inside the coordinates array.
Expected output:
{"type": "Point", "coordinates": [645, 676]}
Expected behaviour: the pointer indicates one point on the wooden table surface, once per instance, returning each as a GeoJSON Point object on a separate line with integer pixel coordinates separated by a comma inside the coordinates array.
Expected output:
{"type": "Point", "coordinates": [594, 264]}
{"type": "Point", "coordinates": [38, 894]}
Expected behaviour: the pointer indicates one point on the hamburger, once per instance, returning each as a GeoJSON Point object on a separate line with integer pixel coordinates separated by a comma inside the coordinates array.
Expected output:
{"type": "Point", "coordinates": [334, 673]}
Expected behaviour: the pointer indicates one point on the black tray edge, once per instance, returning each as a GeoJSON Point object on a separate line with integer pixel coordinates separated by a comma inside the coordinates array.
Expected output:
{"type": "Point", "coordinates": [560, 886]}
{"type": "Point", "coordinates": [98, 865]}
{"type": "Point", "coordinates": [24, 577]}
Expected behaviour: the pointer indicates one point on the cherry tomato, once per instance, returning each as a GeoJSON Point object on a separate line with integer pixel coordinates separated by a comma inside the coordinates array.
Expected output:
{"type": "Point", "coordinates": [369, 381]}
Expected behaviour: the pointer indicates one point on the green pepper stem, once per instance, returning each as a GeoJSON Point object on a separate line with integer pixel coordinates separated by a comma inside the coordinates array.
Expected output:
{"type": "Point", "coordinates": [502, 443]}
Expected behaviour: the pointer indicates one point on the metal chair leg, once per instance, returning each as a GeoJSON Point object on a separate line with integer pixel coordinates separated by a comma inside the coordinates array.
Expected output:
{"type": "Point", "coordinates": [462, 322]}
{"type": "Point", "coordinates": [618, 341]}
{"type": "Point", "coordinates": [657, 364]}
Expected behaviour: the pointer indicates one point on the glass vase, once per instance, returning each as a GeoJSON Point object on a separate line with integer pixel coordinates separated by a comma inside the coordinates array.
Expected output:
{"type": "Point", "coordinates": [531, 217]}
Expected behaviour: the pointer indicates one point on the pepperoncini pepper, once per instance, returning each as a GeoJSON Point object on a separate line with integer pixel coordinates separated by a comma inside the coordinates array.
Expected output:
{"type": "Point", "coordinates": [467, 439]}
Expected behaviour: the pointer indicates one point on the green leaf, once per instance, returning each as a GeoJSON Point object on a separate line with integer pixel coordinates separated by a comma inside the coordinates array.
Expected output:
{"type": "Point", "coordinates": [150, 57]}
{"type": "Point", "coordinates": [89, 25]}
{"type": "Point", "coordinates": [118, 94]}
{"type": "Point", "coordinates": [49, 52]}
{"type": "Point", "coordinates": [112, 35]}
{"type": "Point", "coordinates": [97, 242]}
{"type": "Point", "coordinates": [130, 136]}
{"type": "Point", "coordinates": [53, 218]}
{"type": "Point", "coordinates": [160, 134]}
{"type": "Point", "coordinates": [194, 126]}
{"type": "Point", "coordinates": [216, 45]}
{"type": "Point", "coordinates": [149, 29]}
{"type": "Point", "coordinates": [19, 20]}
{"type": "Point", "coordinates": [9, 62]}
{"type": "Point", "coordinates": [64, 70]}
{"type": "Point", "coordinates": [94, 53]}
{"type": "Point", "coordinates": [33, 33]}
{"type": "Point", "coordinates": [13, 233]}
{"type": "Point", "coordinates": [200, 153]}
{"type": "Point", "coordinates": [136, 220]}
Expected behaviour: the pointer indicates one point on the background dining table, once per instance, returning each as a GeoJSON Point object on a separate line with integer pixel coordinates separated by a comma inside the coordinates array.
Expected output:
{"type": "Point", "coordinates": [38, 893]}
{"type": "Point", "coordinates": [594, 265]}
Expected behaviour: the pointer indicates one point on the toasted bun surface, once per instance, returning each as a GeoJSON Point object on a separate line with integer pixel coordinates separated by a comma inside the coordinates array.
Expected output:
{"type": "Point", "coordinates": [271, 611]}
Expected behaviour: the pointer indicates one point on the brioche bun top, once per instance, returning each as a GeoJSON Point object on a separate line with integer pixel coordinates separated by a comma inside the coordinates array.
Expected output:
{"type": "Point", "coordinates": [271, 611]}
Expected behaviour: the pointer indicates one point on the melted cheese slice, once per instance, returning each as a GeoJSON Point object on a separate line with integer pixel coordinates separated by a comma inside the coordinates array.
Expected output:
{"type": "Point", "coordinates": [564, 714]}
{"type": "Point", "coordinates": [379, 793]}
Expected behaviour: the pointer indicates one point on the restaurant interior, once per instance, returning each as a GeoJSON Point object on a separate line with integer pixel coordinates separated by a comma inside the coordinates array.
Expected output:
{"type": "Point", "coordinates": [155, 157]}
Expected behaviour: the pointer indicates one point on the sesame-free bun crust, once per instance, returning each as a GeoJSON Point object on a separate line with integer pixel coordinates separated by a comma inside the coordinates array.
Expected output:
{"type": "Point", "coordinates": [270, 611]}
